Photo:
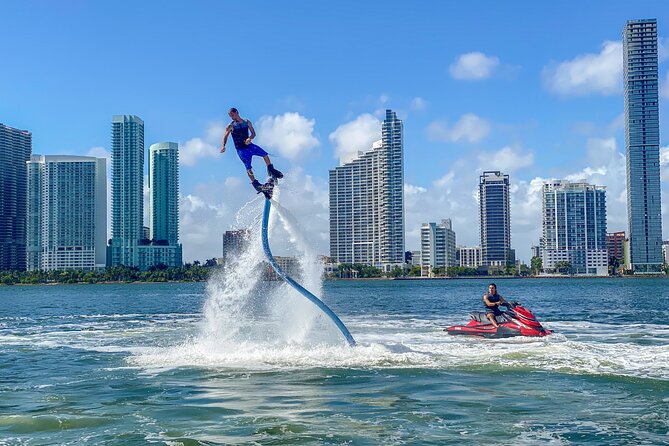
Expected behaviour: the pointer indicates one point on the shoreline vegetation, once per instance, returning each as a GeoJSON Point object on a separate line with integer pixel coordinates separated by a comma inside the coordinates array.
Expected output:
{"type": "Point", "coordinates": [198, 272]}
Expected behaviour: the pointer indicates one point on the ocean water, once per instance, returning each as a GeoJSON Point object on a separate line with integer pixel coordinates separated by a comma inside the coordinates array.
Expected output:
{"type": "Point", "coordinates": [252, 363]}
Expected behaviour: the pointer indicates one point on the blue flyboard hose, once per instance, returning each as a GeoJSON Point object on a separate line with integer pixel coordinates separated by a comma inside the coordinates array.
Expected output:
{"type": "Point", "coordinates": [319, 303]}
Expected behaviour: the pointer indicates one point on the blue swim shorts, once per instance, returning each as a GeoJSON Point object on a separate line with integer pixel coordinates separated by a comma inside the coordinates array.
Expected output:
{"type": "Point", "coordinates": [248, 152]}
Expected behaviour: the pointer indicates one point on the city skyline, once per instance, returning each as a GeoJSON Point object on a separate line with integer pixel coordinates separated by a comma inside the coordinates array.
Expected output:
{"type": "Point", "coordinates": [489, 103]}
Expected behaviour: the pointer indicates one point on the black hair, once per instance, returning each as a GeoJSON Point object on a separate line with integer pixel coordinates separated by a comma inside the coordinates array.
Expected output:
{"type": "Point", "coordinates": [233, 110]}
{"type": "Point", "coordinates": [492, 284]}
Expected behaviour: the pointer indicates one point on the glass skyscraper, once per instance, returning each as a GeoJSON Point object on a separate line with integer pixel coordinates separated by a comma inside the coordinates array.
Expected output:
{"type": "Point", "coordinates": [574, 227]}
{"type": "Point", "coordinates": [642, 145]}
{"type": "Point", "coordinates": [15, 150]}
{"type": "Point", "coordinates": [367, 202]}
{"type": "Point", "coordinates": [164, 246]}
{"type": "Point", "coordinates": [164, 188]}
{"type": "Point", "coordinates": [495, 216]}
{"type": "Point", "coordinates": [67, 212]}
{"type": "Point", "coordinates": [127, 178]}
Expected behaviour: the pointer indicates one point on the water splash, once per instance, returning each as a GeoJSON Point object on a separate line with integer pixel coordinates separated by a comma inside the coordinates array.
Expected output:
{"type": "Point", "coordinates": [244, 312]}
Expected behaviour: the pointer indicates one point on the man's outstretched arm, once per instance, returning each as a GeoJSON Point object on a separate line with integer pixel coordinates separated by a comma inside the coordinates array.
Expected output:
{"type": "Point", "coordinates": [225, 138]}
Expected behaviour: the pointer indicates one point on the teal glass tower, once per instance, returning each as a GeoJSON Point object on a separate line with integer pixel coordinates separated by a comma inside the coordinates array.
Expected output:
{"type": "Point", "coordinates": [127, 183]}
{"type": "Point", "coordinates": [642, 145]}
{"type": "Point", "coordinates": [164, 186]}
{"type": "Point", "coordinates": [164, 202]}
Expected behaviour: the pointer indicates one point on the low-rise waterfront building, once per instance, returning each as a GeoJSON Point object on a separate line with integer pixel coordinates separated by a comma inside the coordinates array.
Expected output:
{"type": "Point", "coordinates": [438, 248]}
{"type": "Point", "coordinates": [470, 256]}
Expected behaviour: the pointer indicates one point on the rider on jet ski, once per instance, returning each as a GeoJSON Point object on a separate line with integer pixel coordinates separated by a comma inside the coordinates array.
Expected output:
{"type": "Point", "coordinates": [492, 301]}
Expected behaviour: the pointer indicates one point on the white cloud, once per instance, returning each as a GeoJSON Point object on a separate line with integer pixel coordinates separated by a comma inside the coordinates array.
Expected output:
{"type": "Point", "coordinates": [290, 133]}
{"type": "Point", "coordinates": [195, 149]}
{"type": "Point", "coordinates": [506, 159]}
{"type": "Point", "coordinates": [417, 103]}
{"type": "Point", "coordinates": [473, 66]}
{"type": "Point", "coordinates": [354, 136]}
{"type": "Point", "coordinates": [469, 127]}
{"type": "Point", "coordinates": [588, 73]}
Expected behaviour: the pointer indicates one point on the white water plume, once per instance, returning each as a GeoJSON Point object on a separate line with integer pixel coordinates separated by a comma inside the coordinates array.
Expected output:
{"type": "Point", "coordinates": [245, 312]}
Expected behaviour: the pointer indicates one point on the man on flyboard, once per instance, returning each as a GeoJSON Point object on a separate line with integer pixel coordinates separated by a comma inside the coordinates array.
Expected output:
{"type": "Point", "coordinates": [246, 150]}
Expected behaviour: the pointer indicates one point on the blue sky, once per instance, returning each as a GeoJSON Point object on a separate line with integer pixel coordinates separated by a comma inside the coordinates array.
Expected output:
{"type": "Point", "coordinates": [532, 88]}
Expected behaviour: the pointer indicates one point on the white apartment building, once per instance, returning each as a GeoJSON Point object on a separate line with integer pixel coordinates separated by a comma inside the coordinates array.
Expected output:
{"type": "Point", "coordinates": [367, 203]}
{"type": "Point", "coordinates": [437, 243]}
{"type": "Point", "coordinates": [67, 212]}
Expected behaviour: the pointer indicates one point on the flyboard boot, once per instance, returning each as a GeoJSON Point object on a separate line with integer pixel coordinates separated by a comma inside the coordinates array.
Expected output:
{"type": "Point", "coordinates": [266, 189]}
{"type": "Point", "coordinates": [274, 173]}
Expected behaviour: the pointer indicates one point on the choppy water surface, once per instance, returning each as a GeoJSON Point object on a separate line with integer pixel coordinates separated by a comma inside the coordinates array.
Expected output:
{"type": "Point", "coordinates": [254, 364]}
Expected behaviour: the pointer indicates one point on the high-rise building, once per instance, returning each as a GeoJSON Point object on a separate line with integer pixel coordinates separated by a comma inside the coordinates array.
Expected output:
{"type": "Point", "coordinates": [615, 245]}
{"type": "Point", "coordinates": [67, 212]}
{"type": "Point", "coordinates": [367, 203]}
{"type": "Point", "coordinates": [642, 145]}
{"type": "Point", "coordinates": [665, 252]}
{"type": "Point", "coordinates": [470, 256]}
{"type": "Point", "coordinates": [15, 150]}
{"type": "Point", "coordinates": [127, 178]}
{"type": "Point", "coordinates": [574, 227]}
{"type": "Point", "coordinates": [495, 219]}
{"type": "Point", "coordinates": [164, 189]}
{"type": "Point", "coordinates": [437, 243]}
{"type": "Point", "coordinates": [234, 242]}
{"type": "Point", "coordinates": [164, 205]}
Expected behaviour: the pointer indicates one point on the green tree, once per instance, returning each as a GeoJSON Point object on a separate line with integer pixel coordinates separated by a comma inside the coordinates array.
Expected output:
{"type": "Point", "coordinates": [563, 267]}
{"type": "Point", "coordinates": [537, 264]}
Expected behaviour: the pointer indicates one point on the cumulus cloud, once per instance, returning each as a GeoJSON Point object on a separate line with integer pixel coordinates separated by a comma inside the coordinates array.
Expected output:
{"type": "Point", "coordinates": [469, 127]}
{"type": "Point", "coordinates": [417, 103]}
{"type": "Point", "coordinates": [506, 159]}
{"type": "Point", "coordinates": [290, 133]}
{"type": "Point", "coordinates": [195, 149]}
{"type": "Point", "coordinates": [354, 136]}
{"type": "Point", "coordinates": [588, 73]}
{"type": "Point", "coordinates": [473, 66]}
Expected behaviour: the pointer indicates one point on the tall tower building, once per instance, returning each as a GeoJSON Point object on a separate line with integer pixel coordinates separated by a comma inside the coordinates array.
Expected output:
{"type": "Point", "coordinates": [642, 145]}
{"type": "Point", "coordinates": [367, 202]}
{"type": "Point", "coordinates": [495, 219]}
{"type": "Point", "coordinates": [392, 215]}
{"type": "Point", "coordinates": [574, 227]}
{"type": "Point", "coordinates": [437, 245]}
{"type": "Point", "coordinates": [67, 212]}
{"type": "Point", "coordinates": [15, 150]}
{"type": "Point", "coordinates": [127, 178]}
{"type": "Point", "coordinates": [164, 187]}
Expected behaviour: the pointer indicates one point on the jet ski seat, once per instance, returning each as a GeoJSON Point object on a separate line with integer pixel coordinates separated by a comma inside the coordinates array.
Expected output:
{"type": "Point", "coordinates": [480, 316]}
